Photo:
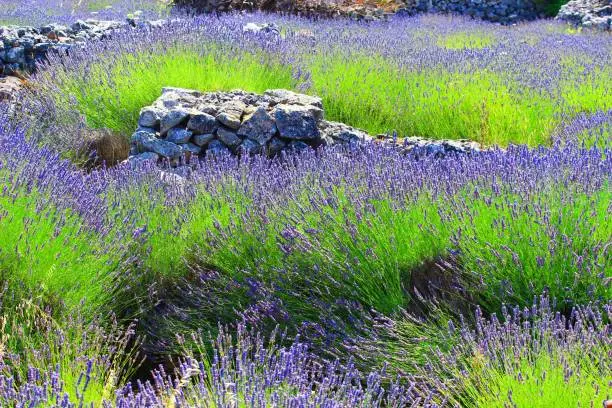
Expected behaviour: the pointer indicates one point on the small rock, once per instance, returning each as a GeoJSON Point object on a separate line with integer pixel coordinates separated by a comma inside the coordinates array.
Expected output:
{"type": "Point", "coordinates": [178, 135]}
{"type": "Point", "coordinates": [138, 140]}
{"type": "Point", "coordinates": [202, 123]}
{"type": "Point", "coordinates": [231, 113]}
{"type": "Point", "coordinates": [172, 119]}
{"type": "Point", "coordinates": [254, 28]}
{"type": "Point", "coordinates": [163, 148]}
{"type": "Point", "coordinates": [15, 54]}
{"type": "Point", "coordinates": [298, 145]}
{"type": "Point", "coordinates": [249, 146]}
{"type": "Point", "coordinates": [228, 137]}
{"type": "Point", "coordinates": [260, 127]}
{"type": "Point", "coordinates": [343, 133]}
{"type": "Point", "coordinates": [291, 98]}
{"type": "Point", "coordinates": [149, 118]}
{"type": "Point", "coordinates": [230, 120]}
{"type": "Point", "coordinates": [144, 157]}
{"type": "Point", "coordinates": [216, 147]}
{"type": "Point", "coordinates": [296, 122]}
{"type": "Point", "coordinates": [203, 140]}
{"type": "Point", "coordinates": [192, 148]}
{"type": "Point", "coordinates": [275, 146]}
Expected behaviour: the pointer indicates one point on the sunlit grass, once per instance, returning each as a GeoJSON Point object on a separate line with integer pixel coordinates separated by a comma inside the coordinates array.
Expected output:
{"type": "Point", "coordinates": [461, 40]}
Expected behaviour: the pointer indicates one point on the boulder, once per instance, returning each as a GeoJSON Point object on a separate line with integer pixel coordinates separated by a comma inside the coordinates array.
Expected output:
{"type": "Point", "coordinates": [202, 123]}
{"type": "Point", "coordinates": [172, 119]}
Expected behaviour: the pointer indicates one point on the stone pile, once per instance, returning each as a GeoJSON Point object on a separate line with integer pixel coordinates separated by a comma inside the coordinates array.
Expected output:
{"type": "Point", "coordinates": [184, 123]}
{"type": "Point", "coordinates": [22, 47]}
{"type": "Point", "coordinates": [588, 13]}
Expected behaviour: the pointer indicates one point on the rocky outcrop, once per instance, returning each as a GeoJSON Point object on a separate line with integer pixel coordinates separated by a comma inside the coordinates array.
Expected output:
{"type": "Point", "coordinates": [588, 13]}
{"type": "Point", "coordinates": [185, 123]}
{"type": "Point", "coordinates": [22, 47]}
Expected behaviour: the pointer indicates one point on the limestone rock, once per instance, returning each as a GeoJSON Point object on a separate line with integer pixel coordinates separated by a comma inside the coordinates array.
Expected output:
{"type": "Point", "coordinates": [260, 127]}
{"type": "Point", "coordinates": [296, 122]}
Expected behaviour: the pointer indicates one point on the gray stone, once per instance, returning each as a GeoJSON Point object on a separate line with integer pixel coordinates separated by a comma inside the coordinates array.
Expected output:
{"type": "Point", "coordinates": [144, 157]}
{"type": "Point", "coordinates": [179, 136]}
{"type": "Point", "coordinates": [172, 179]}
{"type": "Point", "coordinates": [202, 140]}
{"type": "Point", "coordinates": [202, 123]}
{"type": "Point", "coordinates": [149, 118]}
{"type": "Point", "coordinates": [249, 146]}
{"type": "Point", "coordinates": [275, 146]}
{"type": "Point", "coordinates": [171, 119]}
{"type": "Point", "coordinates": [296, 122]}
{"type": "Point", "coordinates": [230, 120]}
{"type": "Point", "coordinates": [298, 146]}
{"type": "Point", "coordinates": [16, 54]}
{"type": "Point", "coordinates": [254, 28]}
{"type": "Point", "coordinates": [339, 132]}
{"type": "Point", "coordinates": [596, 14]}
{"type": "Point", "coordinates": [228, 137]}
{"type": "Point", "coordinates": [216, 147]}
{"type": "Point", "coordinates": [163, 148]}
{"type": "Point", "coordinates": [291, 98]}
{"type": "Point", "coordinates": [80, 25]}
{"type": "Point", "coordinates": [138, 140]}
{"type": "Point", "coordinates": [192, 148]}
{"type": "Point", "coordinates": [230, 114]}
{"type": "Point", "coordinates": [147, 142]}
{"type": "Point", "coordinates": [260, 127]}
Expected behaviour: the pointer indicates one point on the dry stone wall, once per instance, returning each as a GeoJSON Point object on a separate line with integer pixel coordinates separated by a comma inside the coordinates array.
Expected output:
{"type": "Point", "coordinates": [588, 13]}
{"type": "Point", "coordinates": [499, 11]}
{"type": "Point", "coordinates": [22, 47]}
{"type": "Point", "coordinates": [183, 124]}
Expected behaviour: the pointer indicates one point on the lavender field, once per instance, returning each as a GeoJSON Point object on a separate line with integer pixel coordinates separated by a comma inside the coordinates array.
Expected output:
{"type": "Point", "coordinates": [413, 211]}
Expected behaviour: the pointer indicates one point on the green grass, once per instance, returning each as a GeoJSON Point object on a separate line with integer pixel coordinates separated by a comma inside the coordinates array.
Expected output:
{"type": "Point", "coordinates": [136, 81]}
{"type": "Point", "coordinates": [466, 39]}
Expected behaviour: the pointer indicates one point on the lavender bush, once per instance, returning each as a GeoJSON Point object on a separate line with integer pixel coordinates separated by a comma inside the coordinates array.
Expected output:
{"type": "Point", "coordinates": [530, 352]}
{"type": "Point", "coordinates": [244, 237]}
